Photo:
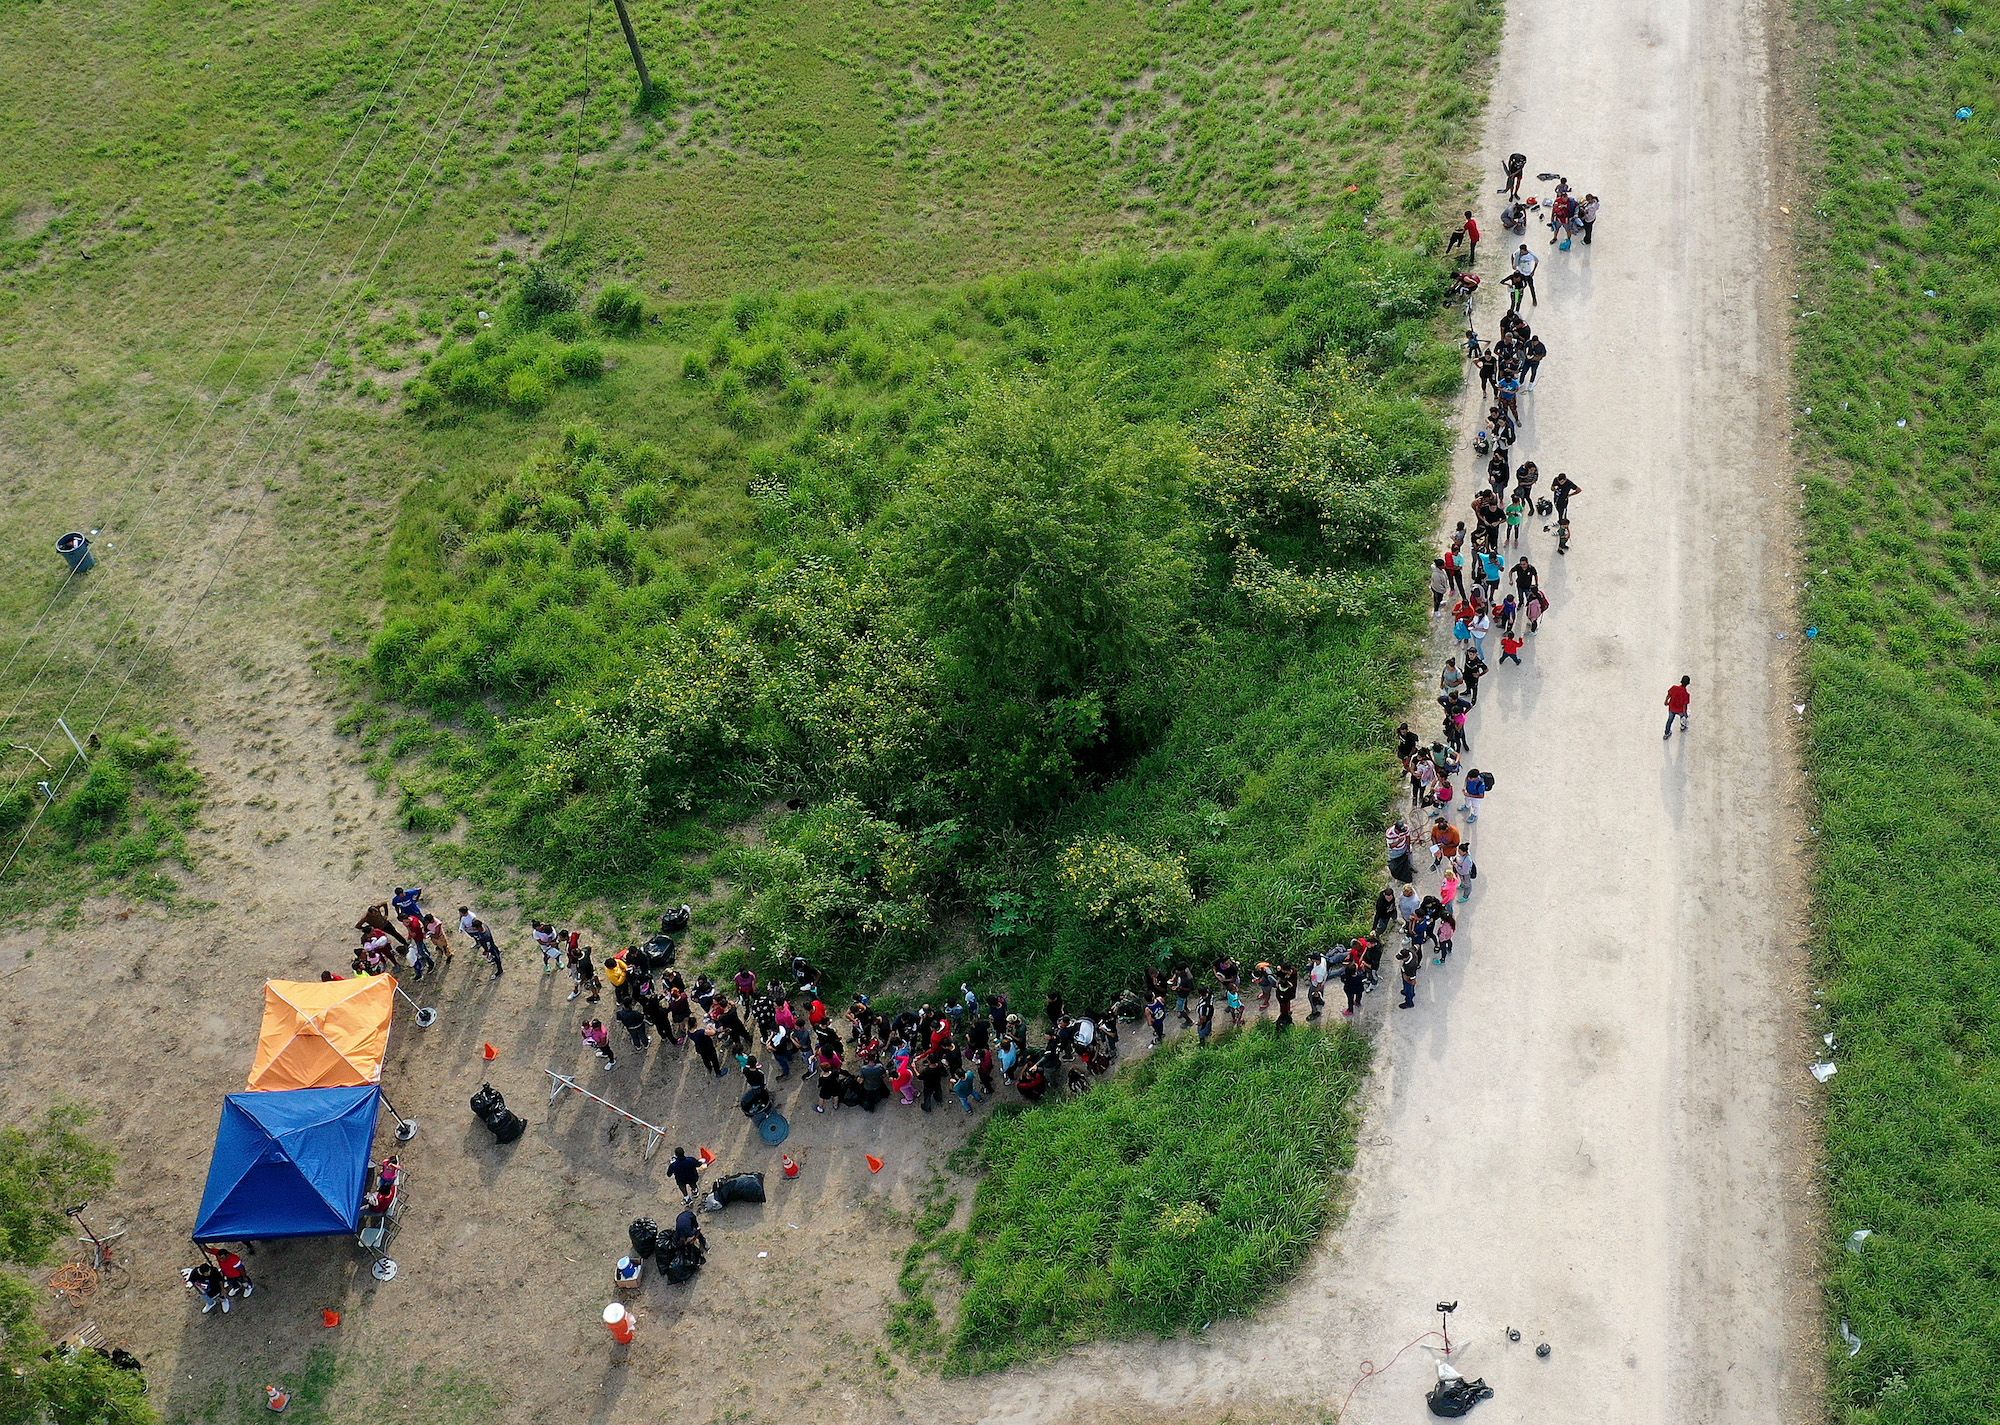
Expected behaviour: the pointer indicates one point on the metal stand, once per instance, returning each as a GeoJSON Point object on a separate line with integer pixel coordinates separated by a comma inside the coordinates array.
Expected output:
{"type": "Point", "coordinates": [426, 1016]}
{"type": "Point", "coordinates": [406, 1128]}
{"type": "Point", "coordinates": [559, 1082]}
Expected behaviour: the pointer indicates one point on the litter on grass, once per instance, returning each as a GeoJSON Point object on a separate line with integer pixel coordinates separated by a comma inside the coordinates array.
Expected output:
{"type": "Point", "coordinates": [1825, 1070]}
{"type": "Point", "coordinates": [1853, 1341]}
{"type": "Point", "coordinates": [1857, 1237]}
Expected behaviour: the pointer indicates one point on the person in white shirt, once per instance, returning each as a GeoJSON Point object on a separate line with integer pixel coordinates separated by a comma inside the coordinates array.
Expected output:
{"type": "Point", "coordinates": [1525, 263]}
{"type": "Point", "coordinates": [1587, 215]}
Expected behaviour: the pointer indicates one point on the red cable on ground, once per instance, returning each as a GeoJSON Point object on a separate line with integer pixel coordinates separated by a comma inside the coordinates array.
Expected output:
{"type": "Point", "coordinates": [1369, 1369]}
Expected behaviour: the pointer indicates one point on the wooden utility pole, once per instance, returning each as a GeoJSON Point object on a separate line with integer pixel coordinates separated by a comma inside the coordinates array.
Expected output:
{"type": "Point", "coordinates": [638, 59]}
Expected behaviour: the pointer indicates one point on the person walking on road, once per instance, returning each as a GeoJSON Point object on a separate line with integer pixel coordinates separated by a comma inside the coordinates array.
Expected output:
{"type": "Point", "coordinates": [1407, 960]}
{"type": "Point", "coordinates": [1525, 263]}
{"type": "Point", "coordinates": [1678, 698]}
{"type": "Point", "coordinates": [1477, 785]}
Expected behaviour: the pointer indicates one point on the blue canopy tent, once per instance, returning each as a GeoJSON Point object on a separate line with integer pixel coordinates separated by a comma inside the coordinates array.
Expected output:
{"type": "Point", "coordinates": [293, 1163]}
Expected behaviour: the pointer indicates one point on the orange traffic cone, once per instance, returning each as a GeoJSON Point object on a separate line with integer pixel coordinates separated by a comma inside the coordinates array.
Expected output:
{"type": "Point", "coordinates": [488, 1053]}
{"type": "Point", "coordinates": [275, 1398]}
{"type": "Point", "coordinates": [329, 1318]}
{"type": "Point", "coordinates": [874, 1163]}
{"type": "Point", "coordinates": [791, 1168]}
{"type": "Point", "coordinates": [706, 1155]}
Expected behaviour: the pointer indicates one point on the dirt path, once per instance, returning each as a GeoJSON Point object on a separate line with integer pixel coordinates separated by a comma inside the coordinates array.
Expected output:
{"type": "Point", "coordinates": [1594, 1126]}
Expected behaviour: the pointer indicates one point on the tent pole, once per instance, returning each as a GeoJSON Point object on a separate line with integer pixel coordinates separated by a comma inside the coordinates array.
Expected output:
{"type": "Point", "coordinates": [406, 1128]}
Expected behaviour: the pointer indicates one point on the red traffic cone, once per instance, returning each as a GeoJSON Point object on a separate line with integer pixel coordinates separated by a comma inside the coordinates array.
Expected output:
{"type": "Point", "coordinates": [329, 1318]}
{"type": "Point", "coordinates": [706, 1155]}
{"type": "Point", "coordinates": [488, 1053]}
{"type": "Point", "coordinates": [791, 1168]}
{"type": "Point", "coordinates": [874, 1163]}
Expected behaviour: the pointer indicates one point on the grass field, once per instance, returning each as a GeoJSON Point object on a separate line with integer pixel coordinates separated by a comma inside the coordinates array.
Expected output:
{"type": "Point", "coordinates": [1899, 338]}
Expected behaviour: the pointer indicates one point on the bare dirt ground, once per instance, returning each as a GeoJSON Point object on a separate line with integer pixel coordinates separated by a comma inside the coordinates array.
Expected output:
{"type": "Point", "coordinates": [1594, 1128]}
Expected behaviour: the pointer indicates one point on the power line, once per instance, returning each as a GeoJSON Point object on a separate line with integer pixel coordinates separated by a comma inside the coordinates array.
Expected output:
{"type": "Point", "coordinates": [582, 109]}
{"type": "Point", "coordinates": [296, 420]}
{"type": "Point", "coordinates": [153, 457]}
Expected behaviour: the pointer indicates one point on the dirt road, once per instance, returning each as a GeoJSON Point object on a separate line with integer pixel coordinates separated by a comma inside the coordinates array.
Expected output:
{"type": "Point", "coordinates": [1593, 1127]}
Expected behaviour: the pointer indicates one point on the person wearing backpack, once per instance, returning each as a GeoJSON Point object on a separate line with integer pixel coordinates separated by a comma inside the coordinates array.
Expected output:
{"type": "Point", "coordinates": [1477, 785]}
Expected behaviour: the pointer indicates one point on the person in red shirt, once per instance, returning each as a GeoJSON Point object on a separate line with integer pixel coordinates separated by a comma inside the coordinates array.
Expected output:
{"type": "Point", "coordinates": [1466, 232]}
{"type": "Point", "coordinates": [235, 1276]}
{"type": "Point", "coordinates": [1510, 647]}
{"type": "Point", "coordinates": [1677, 706]}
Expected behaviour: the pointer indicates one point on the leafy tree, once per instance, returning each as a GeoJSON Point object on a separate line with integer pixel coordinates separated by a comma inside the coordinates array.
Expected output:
{"type": "Point", "coordinates": [1048, 559]}
{"type": "Point", "coordinates": [43, 1169]}
{"type": "Point", "coordinates": [1298, 487]}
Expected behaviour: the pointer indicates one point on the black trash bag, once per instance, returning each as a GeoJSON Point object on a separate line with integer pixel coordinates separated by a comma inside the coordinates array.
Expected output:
{"type": "Point", "coordinates": [486, 1100]}
{"type": "Point", "coordinates": [505, 1125]}
{"type": "Point", "coordinates": [675, 921]}
{"type": "Point", "coordinates": [657, 953]}
{"type": "Point", "coordinates": [1453, 1398]}
{"type": "Point", "coordinates": [645, 1235]}
{"type": "Point", "coordinates": [682, 1265]}
{"type": "Point", "coordinates": [737, 1187]}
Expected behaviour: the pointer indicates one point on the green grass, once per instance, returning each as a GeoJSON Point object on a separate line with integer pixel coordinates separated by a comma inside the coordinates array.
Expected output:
{"type": "Point", "coordinates": [119, 823]}
{"type": "Point", "coordinates": [626, 657]}
{"type": "Point", "coordinates": [1174, 1194]}
{"type": "Point", "coordinates": [1900, 323]}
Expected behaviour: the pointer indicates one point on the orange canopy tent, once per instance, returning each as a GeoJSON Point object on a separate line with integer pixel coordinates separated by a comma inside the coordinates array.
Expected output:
{"type": "Point", "coordinates": [323, 1034]}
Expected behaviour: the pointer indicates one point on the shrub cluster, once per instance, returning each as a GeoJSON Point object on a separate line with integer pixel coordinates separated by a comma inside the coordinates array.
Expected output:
{"type": "Point", "coordinates": [1007, 545]}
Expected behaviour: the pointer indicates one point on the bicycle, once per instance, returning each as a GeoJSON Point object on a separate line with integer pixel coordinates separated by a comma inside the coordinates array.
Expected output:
{"type": "Point", "coordinates": [104, 1267]}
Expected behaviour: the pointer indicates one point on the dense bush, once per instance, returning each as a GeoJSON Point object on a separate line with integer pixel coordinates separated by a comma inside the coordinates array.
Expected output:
{"type": "Point", "coordinates": [1003, 583]}
{"type": "Point", "coordinates": [117, 821]}
{"type": "Point", "coordinates": [1174, 1194]}
{"type": "Point", "coordinates": [619, 308]}
{"type": "Point", "coordinates": [44, 1167]}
